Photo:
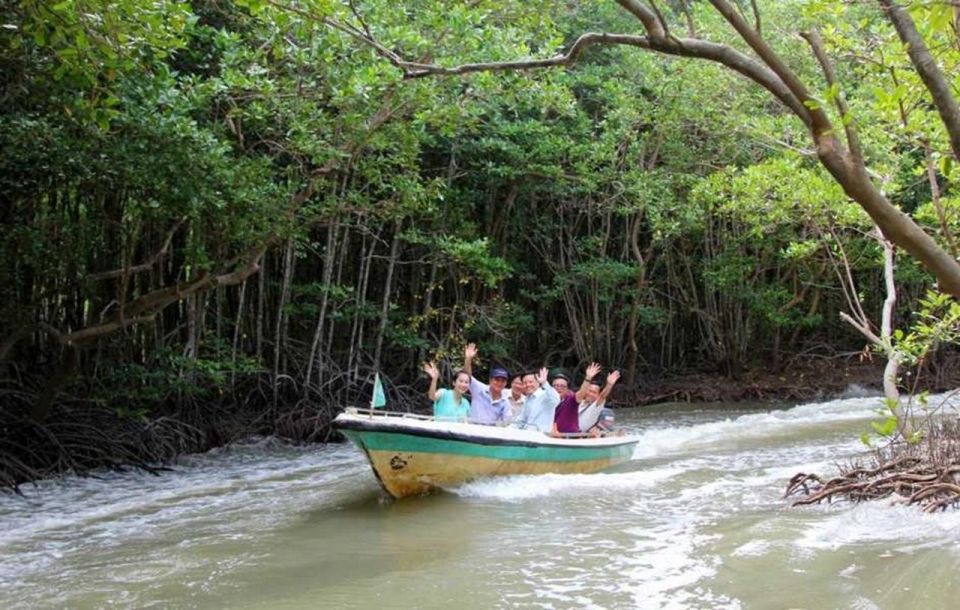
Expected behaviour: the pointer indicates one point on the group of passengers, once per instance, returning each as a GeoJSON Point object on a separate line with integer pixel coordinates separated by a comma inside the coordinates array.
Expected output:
{"type": "Point", "coordinates": [530, 402]}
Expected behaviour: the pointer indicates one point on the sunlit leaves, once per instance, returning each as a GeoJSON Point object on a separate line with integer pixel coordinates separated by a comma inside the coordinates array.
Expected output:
{"type": "Point", "coordinates": [937, 323]}
{"type": "Point", "coordinates": [475, 260]}
{"type": "Point", "coordinates": [780, 190]}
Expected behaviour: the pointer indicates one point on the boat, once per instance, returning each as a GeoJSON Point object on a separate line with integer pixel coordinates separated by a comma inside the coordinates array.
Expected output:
{"type": "Point", "coordinates": [413, 454]}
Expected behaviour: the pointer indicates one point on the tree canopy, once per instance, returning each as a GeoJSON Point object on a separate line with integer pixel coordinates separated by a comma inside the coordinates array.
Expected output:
{"type": "Point", "coordinates": [260, 202]}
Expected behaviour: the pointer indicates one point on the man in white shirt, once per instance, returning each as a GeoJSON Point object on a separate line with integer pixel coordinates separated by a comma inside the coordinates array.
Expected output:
{"type": "Point", "coordinates": [540, 404]}
{"type": "Point", "coordinates": [595, 398]}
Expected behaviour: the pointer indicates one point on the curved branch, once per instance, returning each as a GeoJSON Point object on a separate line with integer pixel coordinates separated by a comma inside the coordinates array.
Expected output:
{"type": "Point", "coordinates": [146, 307]}
{"type": "Point", "coordinates": [849, 126]}
{"type": "Point", "coordinates": [681, 47]}
{"type": "Point", "coordinates": [419, 70]}
{"type": "Point", "coordinates": [933, 78]}
{"type": "Point", "coordinates": [144, 266]}
{"type": "Point", "coordinates": [817, 119]}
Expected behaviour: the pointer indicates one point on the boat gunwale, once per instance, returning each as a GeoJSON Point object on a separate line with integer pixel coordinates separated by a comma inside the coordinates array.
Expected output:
{"type": "Point", "coordinates": [427, 428]}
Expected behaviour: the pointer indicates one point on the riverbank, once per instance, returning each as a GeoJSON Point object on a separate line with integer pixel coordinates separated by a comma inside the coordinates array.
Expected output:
{"type": "Point", "coordinates": [814, 379]}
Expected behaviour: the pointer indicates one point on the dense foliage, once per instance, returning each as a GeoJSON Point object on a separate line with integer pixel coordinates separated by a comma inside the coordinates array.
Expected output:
{"type": "Point", "coordinates": [219, 207]}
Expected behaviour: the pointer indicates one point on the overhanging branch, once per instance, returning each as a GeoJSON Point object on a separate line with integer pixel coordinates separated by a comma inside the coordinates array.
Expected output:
{"type": "Point", "coordinates": [926, 66]}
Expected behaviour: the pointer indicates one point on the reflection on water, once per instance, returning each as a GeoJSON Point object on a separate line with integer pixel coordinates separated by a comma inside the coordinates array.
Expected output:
{"type": "Point", "coordinates": [694, 521]}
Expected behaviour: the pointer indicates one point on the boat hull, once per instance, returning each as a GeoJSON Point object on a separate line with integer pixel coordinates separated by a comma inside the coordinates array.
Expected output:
{"type": "Point", "coordinates": [415, 457]}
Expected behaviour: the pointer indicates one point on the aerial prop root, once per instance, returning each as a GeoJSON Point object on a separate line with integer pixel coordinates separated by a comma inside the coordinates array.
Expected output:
{"type": "Point", "coordinates": [933, 487]}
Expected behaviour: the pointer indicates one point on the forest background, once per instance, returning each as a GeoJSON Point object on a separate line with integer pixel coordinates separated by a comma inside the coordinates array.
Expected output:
{"type": "Point", "coordinates": [221, 218]}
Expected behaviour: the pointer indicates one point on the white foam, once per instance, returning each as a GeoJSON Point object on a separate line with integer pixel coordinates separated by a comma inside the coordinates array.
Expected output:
{"type": "Point", "coordinates": [249, 486]}
{"type": "Point", "coordinates": [525, 487]}
{"type": "Point", "coordinates": [880, 522]}
{"type": "Point", "coordinates": [754, 548]}
{"type": "Point", "coordinates": [696, 494]}
{"type": "Point", "coordinates": [753, 426]}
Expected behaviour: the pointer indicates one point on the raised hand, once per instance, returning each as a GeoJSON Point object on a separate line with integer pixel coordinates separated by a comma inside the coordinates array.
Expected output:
{"type": "Point", "coordinates": [592, 369]}
{"type": "Point", "coordinates": [431, 369]}
{"type": "Point", "coordinates": [612, 378]}
{"type": "Point", "coordinates": [470, 352]}
{"type": "Point", "coordinates": [542, 376]}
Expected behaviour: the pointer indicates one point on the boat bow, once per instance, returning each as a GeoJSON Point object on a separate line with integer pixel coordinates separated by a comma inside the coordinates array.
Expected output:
{"type": "Point", "coordinates": [412, 455]}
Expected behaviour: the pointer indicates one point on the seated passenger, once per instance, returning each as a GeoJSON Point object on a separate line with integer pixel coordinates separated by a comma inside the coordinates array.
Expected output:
{"type": "Point", "coordinates": [448, 405]}
{"type": "Point", "coordinates": [560, 383]}
{"type": "Point", "coordinates": [604, 425]}
{"type": "Point", "coordinates": [489, 405]}
{"type": "Point", "coordinates": [594, 400]}
{"type": "Point", "coordinates": [578, 412]}
{"type": "Point", "coordinates": [539, 404]}
{"type": "Point", "coordinates": [516, 397]}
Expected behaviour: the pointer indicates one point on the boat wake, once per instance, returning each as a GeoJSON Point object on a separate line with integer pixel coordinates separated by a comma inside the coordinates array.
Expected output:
{"type": "Point", "coordinates": [756, 428]}
{"type": "Point", "coordinates": [526, 487]}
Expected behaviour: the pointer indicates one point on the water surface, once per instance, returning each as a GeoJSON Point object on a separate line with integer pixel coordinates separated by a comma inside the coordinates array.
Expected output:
{"type": "Point", "coordinates": [695, 520]}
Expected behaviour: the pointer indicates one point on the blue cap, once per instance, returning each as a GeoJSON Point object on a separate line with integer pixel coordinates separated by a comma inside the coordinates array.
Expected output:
{"type": "Point", "coordinates": [499, 372]}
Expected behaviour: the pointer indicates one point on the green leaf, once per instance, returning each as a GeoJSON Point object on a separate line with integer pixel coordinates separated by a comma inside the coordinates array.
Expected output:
{"type": "Point", "coordinates": [887, 428]}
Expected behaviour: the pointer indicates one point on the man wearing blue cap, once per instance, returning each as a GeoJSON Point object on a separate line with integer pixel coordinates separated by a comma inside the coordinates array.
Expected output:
{"type": "Point", "coordinates": [489, 402]}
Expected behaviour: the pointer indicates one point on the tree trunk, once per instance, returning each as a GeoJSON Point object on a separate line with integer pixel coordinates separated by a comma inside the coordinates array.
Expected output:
{"type": "Point", "coordinates": [633, 348]}
{"type": "Point", "coordinates": [261, 306]}
{"type": "Point", "coordinates": [328, 258]}
{"type": "Point", "coordinates": [237, 331]}
{"type": "Point", "coordinates": [933, 78]}
{"type": "Point", "coordinates": [385, 307]}
{"type": "Point", "coordinates": [280, 329]}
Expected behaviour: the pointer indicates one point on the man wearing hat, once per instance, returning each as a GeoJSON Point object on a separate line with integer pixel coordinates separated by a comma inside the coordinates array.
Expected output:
{"type": "Point", "coordinates": [560, 383]}
{"type": "Point", "coordinates": [489, 401]}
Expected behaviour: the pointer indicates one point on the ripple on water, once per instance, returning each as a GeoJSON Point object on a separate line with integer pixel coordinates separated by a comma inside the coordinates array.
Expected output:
{"type": "Point", "coordinates": [905, 527]}
{"type": "Point", "coordinates": [695, 520]}
{"type": "Point", "coordinates": [76, 534]}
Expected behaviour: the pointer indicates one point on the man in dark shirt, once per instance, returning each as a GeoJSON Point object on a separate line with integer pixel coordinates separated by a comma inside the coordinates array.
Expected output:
{"type": "Point", "coordinates": [584, 406]}
{"type": "Point", "coordinates": [567, 419]}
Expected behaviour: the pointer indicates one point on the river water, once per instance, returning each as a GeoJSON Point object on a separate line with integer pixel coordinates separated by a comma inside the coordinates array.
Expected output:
{"type": "Point", "coordinates": [695, 520]}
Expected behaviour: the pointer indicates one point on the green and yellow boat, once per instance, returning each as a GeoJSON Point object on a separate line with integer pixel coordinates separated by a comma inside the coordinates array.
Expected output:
{"type": "Point", "coordinates": [413, 455]}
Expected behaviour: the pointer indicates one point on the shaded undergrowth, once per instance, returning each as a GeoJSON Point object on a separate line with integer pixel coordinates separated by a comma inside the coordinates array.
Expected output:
{"type": "Point", "coordinates": [81, 435]}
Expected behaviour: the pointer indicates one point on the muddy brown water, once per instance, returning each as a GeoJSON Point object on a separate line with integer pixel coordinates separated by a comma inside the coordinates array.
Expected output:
{"type": "Point", "coordinates": [695, 520]}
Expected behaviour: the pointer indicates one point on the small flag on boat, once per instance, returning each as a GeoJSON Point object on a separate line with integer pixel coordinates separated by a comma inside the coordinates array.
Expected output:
{"type": "Point", "coordinates": [379, 398]}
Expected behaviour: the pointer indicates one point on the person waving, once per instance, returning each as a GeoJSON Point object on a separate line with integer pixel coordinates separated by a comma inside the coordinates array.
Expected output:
{"type": "Point", "coordinates": [448, 405]}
